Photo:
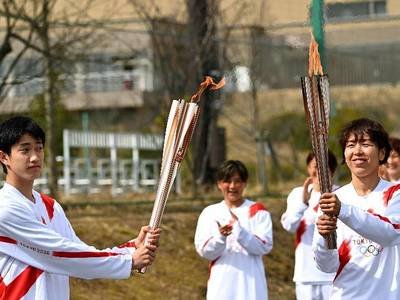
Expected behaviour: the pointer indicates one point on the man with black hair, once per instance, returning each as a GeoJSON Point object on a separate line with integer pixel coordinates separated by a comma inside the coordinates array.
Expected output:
{"type": "Point", "coordinates": [366, 213]}
{"type": "Point", "coordinates": [39, 250]}
{"type": "Point", "coordinates": [233, 235]}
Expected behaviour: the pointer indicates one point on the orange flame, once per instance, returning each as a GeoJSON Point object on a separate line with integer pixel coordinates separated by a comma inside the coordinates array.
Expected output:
{"type": "Point", "coordinates": [314, 60]}
{"type": "Point", "coordinates": [208, 82]}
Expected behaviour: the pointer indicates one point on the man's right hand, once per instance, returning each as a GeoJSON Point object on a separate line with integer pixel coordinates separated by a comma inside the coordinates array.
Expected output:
{"type": "Point", "coordinates": [225, 230]}
{"type": "Point", "coordinates": [145, 249]}
{"type": "Point", "coordinates": [326, 225]}
{"type": "Point", "coordinates": [143, 256]}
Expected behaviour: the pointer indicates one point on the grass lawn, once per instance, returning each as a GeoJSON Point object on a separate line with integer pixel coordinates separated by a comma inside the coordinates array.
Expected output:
{"type": "Point", "coordinates": [178, 273]}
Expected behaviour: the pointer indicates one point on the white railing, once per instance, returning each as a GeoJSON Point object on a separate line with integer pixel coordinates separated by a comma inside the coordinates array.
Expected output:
{"type": "Point", "coordinates": [117, 173]}
{"type": "Point", "coordinates": [93, 139]}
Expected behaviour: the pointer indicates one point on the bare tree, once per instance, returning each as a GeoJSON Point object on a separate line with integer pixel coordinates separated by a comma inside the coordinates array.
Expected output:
{"type": "Point", "coordinates": [59, 36]}
{"type": "Point", "coordinates": [7, 61]}
{"type": "Point", "coordinates": [183, 54]}
{"type": "Point", "coordinates": [203, 31]}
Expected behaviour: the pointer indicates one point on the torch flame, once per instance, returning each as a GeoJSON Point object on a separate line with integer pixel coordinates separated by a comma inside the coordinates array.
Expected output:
{"type": "Point", "coordinates": [208, 82]}
{"type": "Point", "coordinates": [314, 60]}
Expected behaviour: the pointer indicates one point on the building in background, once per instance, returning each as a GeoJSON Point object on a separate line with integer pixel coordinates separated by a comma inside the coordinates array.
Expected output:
{"type": "Point", "coordinates": [124, 82]}
{"type": "Point", "coordinates": [362, 42]}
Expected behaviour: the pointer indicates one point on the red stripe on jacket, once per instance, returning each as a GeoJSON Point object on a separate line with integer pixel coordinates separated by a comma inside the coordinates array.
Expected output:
{"type": "Point", "coordinates": [256, 207]}
{"type": "Point", "coordinates": [7, 240]}
{"type": "Point", "coordinates": [385, 219]}
{"type": "Point", "coordinates": [388, 194]}
{"type": "Point", "coordinates": [206, 242]}
{"type": "Point", "coordinates": [299, 232]}
{"type": "Point", "coordinates": [130, 244]}
{"type": "Point", "coordinates": [20, 285]}
{"type": "Point", "coordinates": [83, 254]}
{"type": "Point", "coordinates": [49, 203]}
{"type": "Point", "coordinates": [344, 256]}
{"type": "Point", "coordinates": [262, 241]}
{"type": "Point", "coordinates": [210, 265]}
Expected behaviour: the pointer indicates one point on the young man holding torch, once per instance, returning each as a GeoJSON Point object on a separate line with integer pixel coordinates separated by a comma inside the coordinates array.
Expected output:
{"type": "Point", "coordinates": [39, 250]}
{"type": "Point", "coordinates": [233, 235]}
{"type": "Point", "coordinates": [366, 213]}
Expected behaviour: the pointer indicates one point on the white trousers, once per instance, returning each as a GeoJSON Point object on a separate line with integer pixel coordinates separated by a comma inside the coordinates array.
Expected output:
{"type": "Point", "coordinates": [311, 291]}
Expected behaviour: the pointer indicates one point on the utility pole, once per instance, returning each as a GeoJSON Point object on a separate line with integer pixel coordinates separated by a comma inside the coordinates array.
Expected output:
{"type": "Point", "coordinates": [318, 23]}
{"type": "Point", "coordinates": [318, 26]}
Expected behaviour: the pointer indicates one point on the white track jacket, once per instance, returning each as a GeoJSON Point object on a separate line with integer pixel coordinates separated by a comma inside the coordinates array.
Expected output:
{"type": "Point", "coordinates": [39, 250]}
{"type": "Point", "coordinates": [236, 266]}
{"type": "Point", "coordinates": [300, 218]}
{"type": "Point", "coordinates": [367, 261]}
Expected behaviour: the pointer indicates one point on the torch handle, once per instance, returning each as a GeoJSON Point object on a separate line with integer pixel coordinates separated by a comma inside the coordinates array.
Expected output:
{"type": "Point", "coordinates": [316, 106]}
{"type": "Point", "coordinates": [331, 241]}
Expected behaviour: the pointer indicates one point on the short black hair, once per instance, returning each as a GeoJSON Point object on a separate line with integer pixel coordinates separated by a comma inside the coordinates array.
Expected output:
{"type": "Point", "coordinates": [13, 129]}
{"type": "Point", "coordinates": [395, 143]}
{"type": "Point", "coordinates": [373, 129]}
{"type": "Point", "coordinates": [229, 168]}
{"type": "Point", "coordinates": [332, 161]}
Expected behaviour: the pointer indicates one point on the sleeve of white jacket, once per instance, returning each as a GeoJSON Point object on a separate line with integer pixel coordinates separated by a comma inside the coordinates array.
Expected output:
{"type": "Point", "coordinates": [209, 242]}
{"type": "Point", "coordinates": [384, 230]}
{"type": "Point", "coordinates": [127, 247]}
{"type": "Point", "coordinates": [33, 243]}
{"type": "Point", "coordinates": [327, 260]}
{"type": "Point", "coordinates": [260, 241]}
{"type": "Point", "coordinates": [295, 208]}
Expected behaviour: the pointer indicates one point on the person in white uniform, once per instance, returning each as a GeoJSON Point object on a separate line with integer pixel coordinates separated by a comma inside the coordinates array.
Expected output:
{"type": "Point", "coordinates": [233, 235]}
{"type": "Point", "coordinates": [39, 250]}
{"type": "Point", "coordinates": [393, 162]}
{"type": "Point", "coordinates": [366, 213]}
{"type": "Point", "coordinates": [299, 218]}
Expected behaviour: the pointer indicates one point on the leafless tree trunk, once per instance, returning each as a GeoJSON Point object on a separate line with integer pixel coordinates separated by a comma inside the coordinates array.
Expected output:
{"type": "Point", "coordinates": [50, 98]}
{"type": "Point", "coordinates": [203, 31]}
{"type": "Point", "coordinates": [257, 35]}
{"type": "Point", "coordinates": [185, 53]}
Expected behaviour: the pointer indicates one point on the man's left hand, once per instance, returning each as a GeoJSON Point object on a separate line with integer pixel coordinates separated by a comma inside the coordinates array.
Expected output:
{"type": "Point", "coordinates": [153, 236]}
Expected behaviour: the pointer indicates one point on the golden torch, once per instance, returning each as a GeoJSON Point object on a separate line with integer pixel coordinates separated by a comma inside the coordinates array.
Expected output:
{"type": "Point", "coordinates": [182, 120]}
{"type": "Point", "coordinates": [315, 89]}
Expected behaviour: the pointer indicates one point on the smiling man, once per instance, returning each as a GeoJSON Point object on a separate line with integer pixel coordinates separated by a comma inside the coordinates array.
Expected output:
{"type": "Point", "coordinates": [233, 235]}
{"type": "Point", "coordinates": [367, 215]}
{"type": "Point", "coordinates": [38, 247]}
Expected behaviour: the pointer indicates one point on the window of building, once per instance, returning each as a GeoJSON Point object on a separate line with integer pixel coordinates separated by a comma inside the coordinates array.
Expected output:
{"type": "Point", "coordinates": [359, 9]}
